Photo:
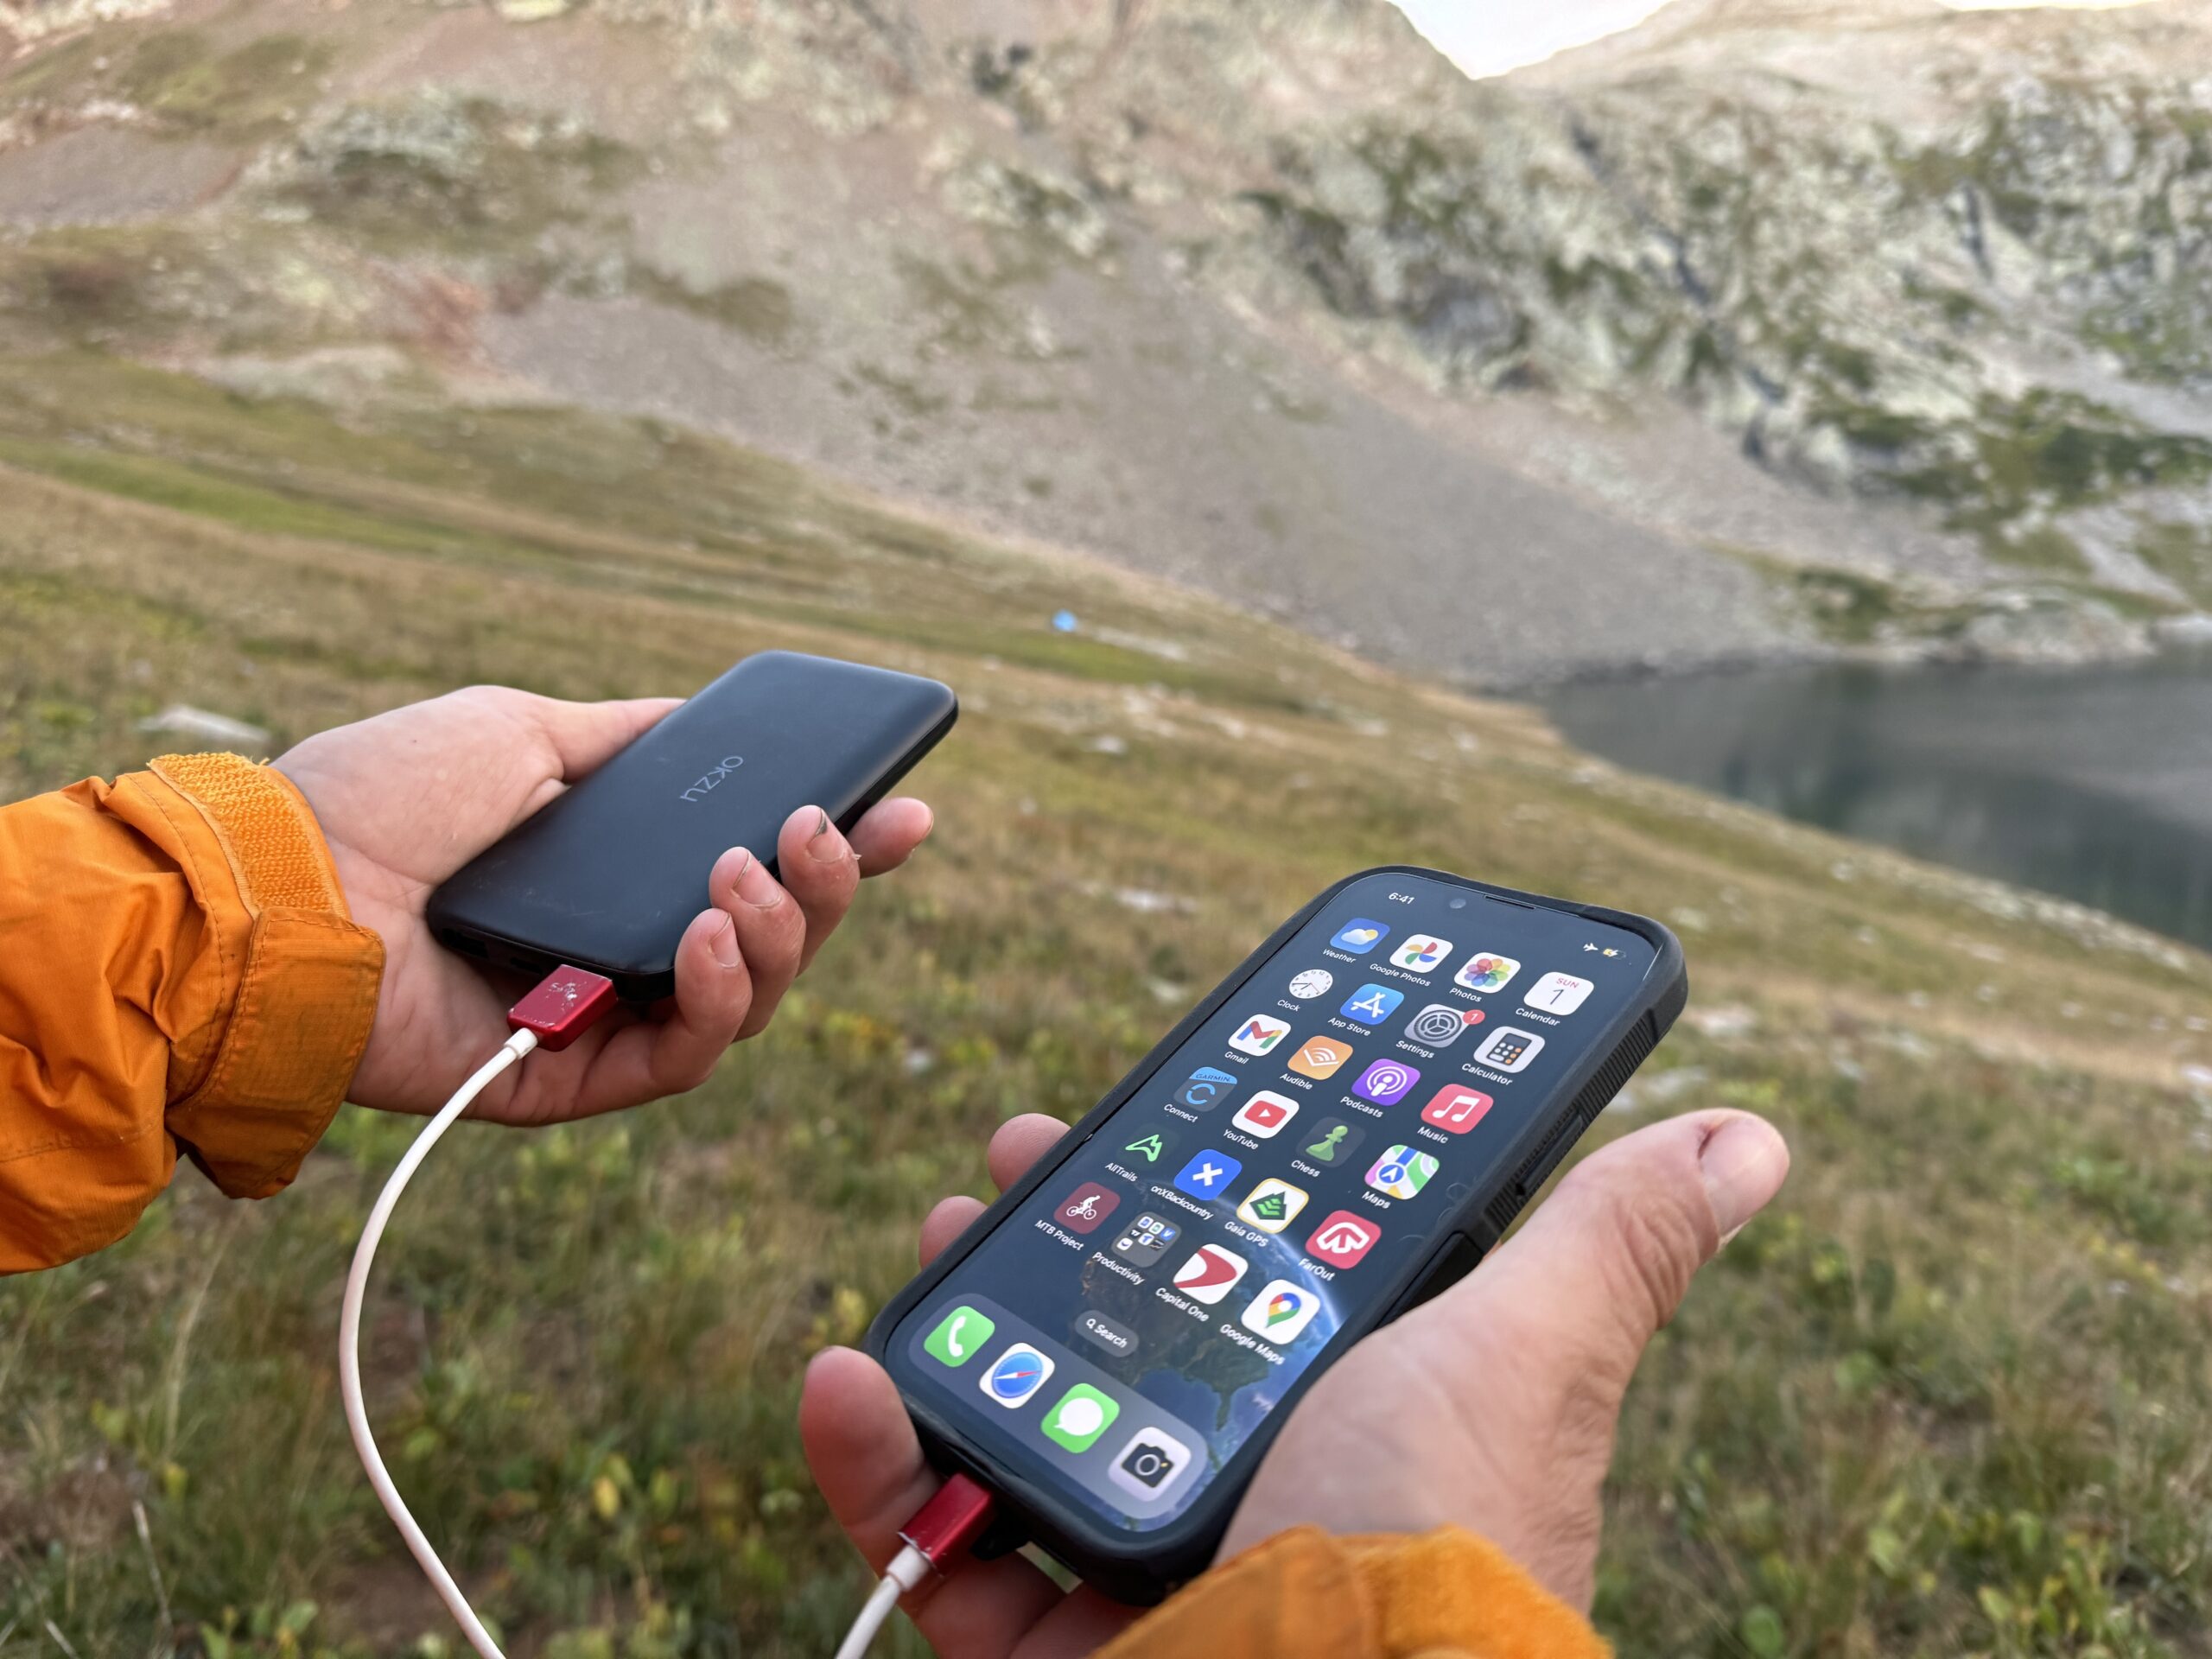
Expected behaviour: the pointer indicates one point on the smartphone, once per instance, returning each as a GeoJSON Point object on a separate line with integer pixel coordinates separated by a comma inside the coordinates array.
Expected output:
{"type": "Point", "coordinates": [1338, 1131]}
{"type": "Point", "coordinates": [609, 874]}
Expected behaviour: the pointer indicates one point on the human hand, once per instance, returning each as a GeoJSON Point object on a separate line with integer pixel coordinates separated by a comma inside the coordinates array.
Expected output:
{"type": "Point", "coordinates": [405, 798]}
{"type": "Point", "coordinates": [1504, 1392]}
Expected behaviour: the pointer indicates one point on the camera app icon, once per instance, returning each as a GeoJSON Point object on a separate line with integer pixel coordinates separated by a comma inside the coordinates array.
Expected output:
{"type": "Point", "coordinates": [1151, 1464]}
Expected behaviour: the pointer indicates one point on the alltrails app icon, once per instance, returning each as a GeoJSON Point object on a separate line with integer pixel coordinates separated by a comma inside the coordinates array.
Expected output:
{"type": "Point", "coordinates": [1359, 935]}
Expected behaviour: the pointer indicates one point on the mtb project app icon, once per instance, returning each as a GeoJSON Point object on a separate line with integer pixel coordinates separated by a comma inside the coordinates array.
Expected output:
{"type": "Point", "coordinates": [1085, 1207]}
{"type": "Point", "coordinates": [1370, 1005]}
{"type": "Point", "coordinates": [1422, 954]}
{"type": "Point", "coordinates": [1344, 1240]}
{"type": "Point", "coordinates": [1258, 1034]}
{"type": "Point", "coordinates": [1320, 1056]}
{"type": "Point", "coordinates": [1211, 1274]}
{"type": "Point", "coordinates": [1203, 1090]}
{"type": "Point", "coordinates": [1359, 935]}
{"type": "Point", "coordinates": [1208, 1175]}
{"type": "Point", "coordinates": [1265, 1113]}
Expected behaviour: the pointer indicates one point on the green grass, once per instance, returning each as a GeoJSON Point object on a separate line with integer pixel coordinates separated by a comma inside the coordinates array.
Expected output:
{"type": "Point", "coordinates": [1950, 1397]}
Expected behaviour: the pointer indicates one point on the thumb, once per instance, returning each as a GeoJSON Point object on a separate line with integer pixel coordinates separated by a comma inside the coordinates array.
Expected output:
{"type": "Point", "coordinates": [1606, 1261]}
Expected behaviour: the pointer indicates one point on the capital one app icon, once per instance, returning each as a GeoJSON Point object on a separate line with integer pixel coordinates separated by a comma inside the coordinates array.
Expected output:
{"type": "Point", "coordinates": [1211, 1274]}
{"type": "Point", "coordinates": [1265, 1113]}
{"type": "Point", "coordinates": [1258, 1034]}
{"type": "Point", "coordinates": [1344, 1240]}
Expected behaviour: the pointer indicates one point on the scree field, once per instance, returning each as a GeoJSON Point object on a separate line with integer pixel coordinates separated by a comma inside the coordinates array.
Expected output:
{"type": "Point", "coordinates": [1949, 1396]}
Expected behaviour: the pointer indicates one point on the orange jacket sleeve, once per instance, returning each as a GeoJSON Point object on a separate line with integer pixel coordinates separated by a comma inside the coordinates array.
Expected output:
{"type": "Point", "coordinates": [178, 971]}
{"type": "Point", "coordinates": [1444, 1595]}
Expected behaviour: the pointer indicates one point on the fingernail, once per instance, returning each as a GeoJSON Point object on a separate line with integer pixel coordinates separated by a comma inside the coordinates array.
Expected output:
{"type": "Point", "coordinates": [723, 943]}
{"type": "Point", "coordinates": [1743, 1165]}
{"type": "Point", "coordinates": [756, 887]}
{"type": "Point", "coordinates": [827, 846]}
{"type": "Point", "coordinates": [821, 824]}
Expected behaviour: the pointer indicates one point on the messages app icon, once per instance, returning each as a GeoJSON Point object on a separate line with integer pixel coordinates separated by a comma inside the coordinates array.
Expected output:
{"type": "Point", "coordinates": [1359, 935]}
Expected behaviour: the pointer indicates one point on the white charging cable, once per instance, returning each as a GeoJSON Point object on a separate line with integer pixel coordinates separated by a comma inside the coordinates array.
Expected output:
{"type": "Point", "coordinates": [947, 1523]}
{"type": "Point", "coordinates": [349, 1343]}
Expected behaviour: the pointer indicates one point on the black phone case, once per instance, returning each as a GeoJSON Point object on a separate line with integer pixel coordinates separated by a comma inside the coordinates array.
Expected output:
{"type": "Point", "coordinates": [1142, 1569]}
{"type": "Point", "coordinates": [608, 875]}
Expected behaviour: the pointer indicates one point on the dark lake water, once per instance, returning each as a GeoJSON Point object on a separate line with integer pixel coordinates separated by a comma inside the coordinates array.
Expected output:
{"type": "Point", "coordinates": [2093, 784]}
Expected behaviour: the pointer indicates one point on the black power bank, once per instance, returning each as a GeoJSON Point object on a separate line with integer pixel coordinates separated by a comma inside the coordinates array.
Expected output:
{"type": "Point", "coordinates": [608, 875]}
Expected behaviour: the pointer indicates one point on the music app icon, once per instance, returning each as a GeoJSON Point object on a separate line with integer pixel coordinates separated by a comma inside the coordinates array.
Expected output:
{"type": "Point", "coordinates": [1456, 1109]}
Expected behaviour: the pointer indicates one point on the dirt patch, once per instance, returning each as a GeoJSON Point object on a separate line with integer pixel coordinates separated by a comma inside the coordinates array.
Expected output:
{"type": "Point", "coordinates": [106, 175]}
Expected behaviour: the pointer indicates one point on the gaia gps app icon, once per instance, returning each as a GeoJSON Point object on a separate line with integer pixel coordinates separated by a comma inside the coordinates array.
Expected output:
{"type": "Point", "coordinates": [1273, 1207]}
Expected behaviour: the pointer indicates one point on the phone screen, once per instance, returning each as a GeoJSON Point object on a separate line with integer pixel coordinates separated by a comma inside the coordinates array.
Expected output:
{"type": "Point", "coordinates": [1117, 1338]}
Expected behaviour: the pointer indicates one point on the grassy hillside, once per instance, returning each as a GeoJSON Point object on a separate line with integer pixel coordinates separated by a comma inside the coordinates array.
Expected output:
{"type": "Point", "coordinates": [1951, 1397]}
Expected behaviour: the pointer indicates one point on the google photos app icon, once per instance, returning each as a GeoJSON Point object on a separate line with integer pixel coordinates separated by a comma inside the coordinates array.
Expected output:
{"type": "Point", "coordinates": [1359, 935]}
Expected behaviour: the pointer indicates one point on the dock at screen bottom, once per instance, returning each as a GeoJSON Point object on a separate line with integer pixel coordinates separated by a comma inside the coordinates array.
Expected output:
{"type": "Point", "coordinates": [1139, 1463]}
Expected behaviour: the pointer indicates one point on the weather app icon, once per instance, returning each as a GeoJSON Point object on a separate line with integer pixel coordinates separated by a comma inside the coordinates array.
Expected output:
{"type": "Point", "coordinates": [1359, 935]}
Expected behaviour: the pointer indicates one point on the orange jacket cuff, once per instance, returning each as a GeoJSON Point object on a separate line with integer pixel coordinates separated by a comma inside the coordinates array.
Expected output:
{"type": "Point", "coordinates": [1444, 1595]}
{"type": "Point", "coordinates": [305, 983]}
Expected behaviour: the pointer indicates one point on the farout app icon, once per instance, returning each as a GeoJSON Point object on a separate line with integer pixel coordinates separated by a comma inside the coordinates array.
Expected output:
{"type": "Point", "coordinates": [1265, 1113]}
{"type": "Point", "coordinates": [1258, 1034]}
{"type": "Point", "coordinates": [1359, 935]}
{"type": "Point", "coordinates": [1344, 1240]}
{"type": "Point", "coordinates": [1386, 1083]}
{"type": "Point", "coordinates": [1211, 1274]}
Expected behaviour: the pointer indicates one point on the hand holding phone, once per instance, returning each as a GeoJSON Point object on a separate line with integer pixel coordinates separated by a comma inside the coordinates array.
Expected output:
{"type": "Point", "coordinates": [407, 798]}
{"type": "Point", "coordinates": [1491, 1407]}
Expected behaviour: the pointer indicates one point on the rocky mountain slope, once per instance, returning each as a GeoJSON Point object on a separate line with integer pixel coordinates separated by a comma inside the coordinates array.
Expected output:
{"type": "Point", "coordinates": [1772, 327]}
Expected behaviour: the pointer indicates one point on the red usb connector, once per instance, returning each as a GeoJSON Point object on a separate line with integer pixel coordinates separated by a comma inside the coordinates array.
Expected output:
{"type": "Point", "coordinates": [566, 1003]}
{"type": "Point", "coordinates": [949, 1521]}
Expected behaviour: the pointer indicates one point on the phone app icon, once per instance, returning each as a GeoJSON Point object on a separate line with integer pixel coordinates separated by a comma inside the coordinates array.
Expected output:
{"type": "Point", "coordinates": [1359, 935]}
{"type": "Point", "coordinates": [1486, 971]}
{"type": "Point", "coordinates": [1146, 1239]}
{"type": "Point", "coordinates": [1371, 1004]}
{"type": "Point", "coordinates": [958, 1335]}
{"type": "Point", "coordinates": [1509, 1050]}
{"type": "Point", "coordinates": [1386, 1083]}
{"type": "Point", "coordinates": [1265, 1113]}
{"type": "Point", "coordinates": [1151, 1464]}
{"type": "Point", "coordinates": [1320, 1056]}
{"type": "Point", "coordinates": [1344, 1240]}
{"type": "Point", "coordinates": [1258, 1034]}
{"type": "Point", "coordinates": [1402, 1172]}
{"type": "Point", "coordinates": [1273, 1207]}
{"type": "Point", "coordinates": [1082, 1416]}
{"type": "Point", "coordinates": [1152, 1147]}
{"type": "Point", "coordinates": [1281, 1311]}
{"type": "Point", "coordinates": [1015, 1375]}
{"type": "Point", "coordinates": [1422, 953]}
{"type": "Point", "coordinates": [1455, 1109]}
{"type": "Point", "coordinates": [1314, 982]}
{"type": "Point", "coordinates": [1204, 1089]}
{"type": "Point", "coordinates": [1085, 1207]}
{"type": "Point", "coordinates": [1208, 1175]}
{"type": "Point", "coordinates": [1559, 993]}
{"type": "Point", "coordinates": [1331, 1142]}
{"type": "Point", "coordinates": [1441, 1024]}
{"type": "Point", "coordinates": [1211, 1274]}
